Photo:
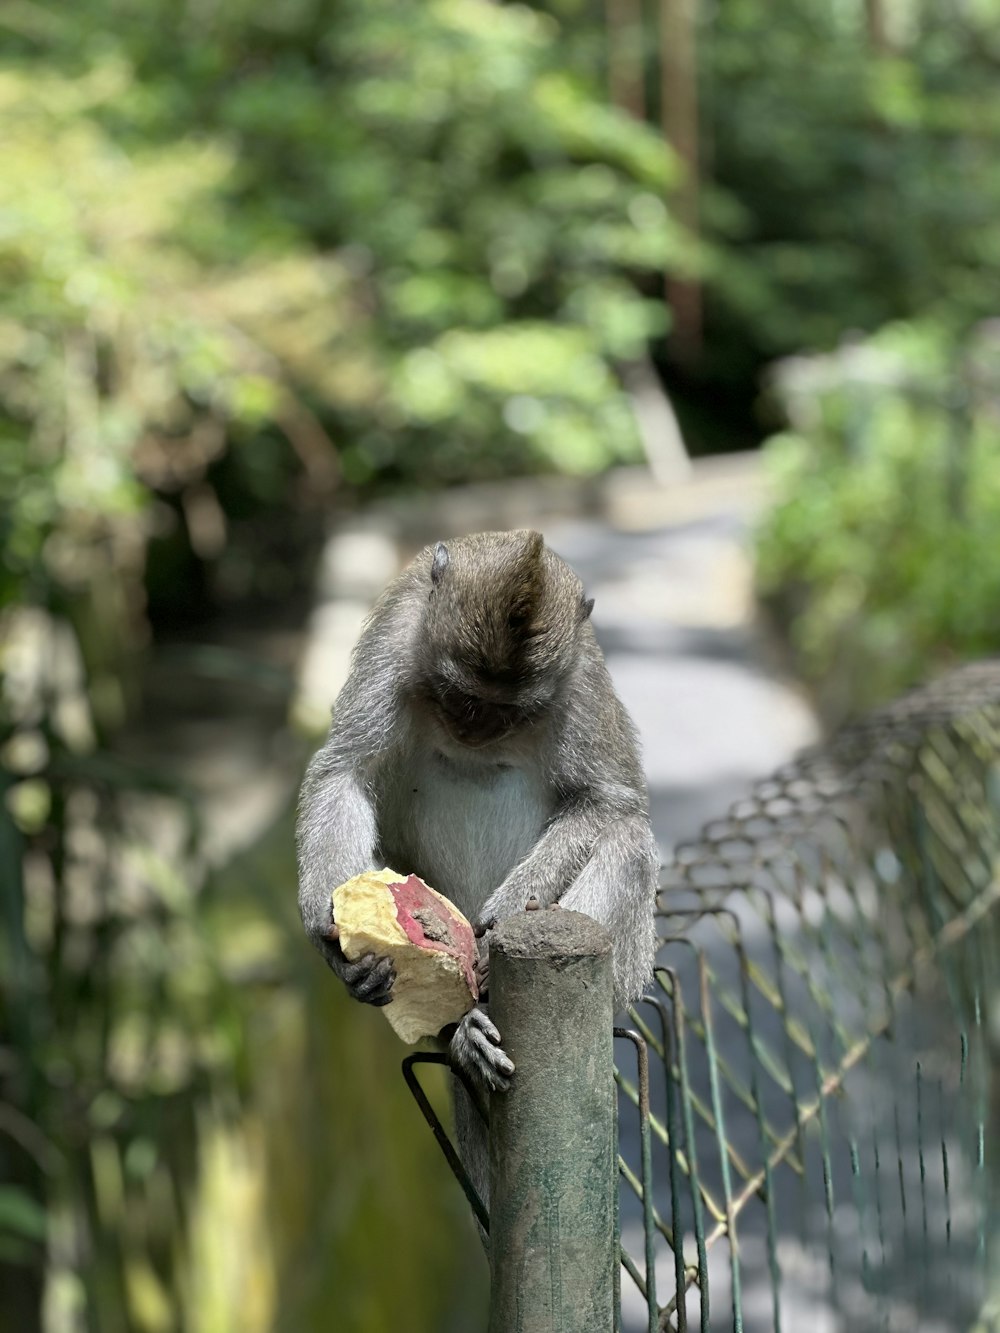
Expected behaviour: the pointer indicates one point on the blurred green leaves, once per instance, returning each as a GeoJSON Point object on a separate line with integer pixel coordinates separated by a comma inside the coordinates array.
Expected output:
{"type": "Point", "coordinates": [860, 143]}
{"type": "Point", "coordinates": [393, 228]}
{"type": "Point", "coordinates": [881, 551]}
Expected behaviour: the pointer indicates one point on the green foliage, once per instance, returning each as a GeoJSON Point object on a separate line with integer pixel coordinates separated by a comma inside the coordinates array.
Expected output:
{"type": "Point", "coordinates": [881, 551]}
{"type": "Point", "coordinates": [859, 171]}
{"type": "Point", "coordinates": [463, 177]}
{"type": "Point", "coordinates": [114, 1017]}
{"type": "Point", "coordinates": [121, 356]}
{"type": "Point", "coordinates": [128, 365]}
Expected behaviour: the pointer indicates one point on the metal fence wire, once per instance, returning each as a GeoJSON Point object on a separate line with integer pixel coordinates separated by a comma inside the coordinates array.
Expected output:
{"type": "Point", "coordinates": [806, 1092]}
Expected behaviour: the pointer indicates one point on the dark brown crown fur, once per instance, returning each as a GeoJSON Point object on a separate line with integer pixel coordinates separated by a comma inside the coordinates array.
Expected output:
{"type": "Point", "coordinates": [505, 608]}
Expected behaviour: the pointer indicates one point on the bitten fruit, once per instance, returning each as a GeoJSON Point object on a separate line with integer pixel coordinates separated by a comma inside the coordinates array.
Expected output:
{"type": "Point", "coordinates": [431, 944]}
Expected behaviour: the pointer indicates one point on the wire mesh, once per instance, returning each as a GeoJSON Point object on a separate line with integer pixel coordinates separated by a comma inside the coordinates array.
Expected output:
{"type": "Point", "coordinates": [819, 1037]}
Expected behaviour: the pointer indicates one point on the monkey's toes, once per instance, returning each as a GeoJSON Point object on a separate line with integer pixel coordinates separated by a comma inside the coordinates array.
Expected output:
{"type": "Point", "coordinates": [475, 1048]}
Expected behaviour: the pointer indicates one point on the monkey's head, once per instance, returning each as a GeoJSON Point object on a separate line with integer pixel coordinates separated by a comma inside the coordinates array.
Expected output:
{"type": "Point", "coordinates": [501, 631]}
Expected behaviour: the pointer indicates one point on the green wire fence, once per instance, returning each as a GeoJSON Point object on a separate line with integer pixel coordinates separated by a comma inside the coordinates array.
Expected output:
{"type": "Point", "coordinates": [806, 1093]}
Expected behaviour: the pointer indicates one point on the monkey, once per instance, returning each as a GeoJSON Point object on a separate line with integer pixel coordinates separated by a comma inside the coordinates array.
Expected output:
{"type": "Point", "coordinates": [478, 742]}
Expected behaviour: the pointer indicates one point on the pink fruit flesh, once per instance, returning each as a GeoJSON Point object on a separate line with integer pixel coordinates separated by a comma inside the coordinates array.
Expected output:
{"type": "Point", "coordinates": [428, 923]}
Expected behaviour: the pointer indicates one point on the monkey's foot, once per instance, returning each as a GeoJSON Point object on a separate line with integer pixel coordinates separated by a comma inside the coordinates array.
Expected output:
{"type": "Point", "coordinates": [475, 1049]}
{"type": "Point", "coordinates": [369, 980]}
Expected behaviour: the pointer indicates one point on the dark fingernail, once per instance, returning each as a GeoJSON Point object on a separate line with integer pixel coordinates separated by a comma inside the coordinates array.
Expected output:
{"type": "Point", "coordinates": [532, 905]}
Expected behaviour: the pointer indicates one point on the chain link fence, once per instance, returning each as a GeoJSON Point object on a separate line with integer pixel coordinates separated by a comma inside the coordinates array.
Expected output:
{"type": "Point", "coordinates": [820, 1033]}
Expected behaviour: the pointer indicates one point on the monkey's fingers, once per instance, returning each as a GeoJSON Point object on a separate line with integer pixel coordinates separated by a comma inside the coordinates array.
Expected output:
{"type": "Point", "coordinates": [370, 979]}
{"type": "Point", "coordinates": [376, 988]}
{"type": "Point", "coordinates": [481, 927]}
{"type": "Point", "coordinates": [482, 973]}
{"type": "Point", "coordinates": [485, 1040]}
{"type": "Point", "coordinates": [532, 905]}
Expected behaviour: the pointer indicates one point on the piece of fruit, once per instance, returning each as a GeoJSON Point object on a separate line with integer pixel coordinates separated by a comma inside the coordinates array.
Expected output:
{"type": "Point", "coordinates": [431, 944]}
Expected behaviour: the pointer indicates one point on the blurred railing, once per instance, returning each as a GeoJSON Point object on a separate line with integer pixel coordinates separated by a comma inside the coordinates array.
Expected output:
{"type": "Point", "coordinates": [807, 1095]}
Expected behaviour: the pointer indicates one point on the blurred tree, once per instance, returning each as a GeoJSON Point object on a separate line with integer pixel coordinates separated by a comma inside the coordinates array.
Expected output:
{"type": "Point", "coordinates": [680, 115]}
{"type": "Point", "coordinates": [626, 56]}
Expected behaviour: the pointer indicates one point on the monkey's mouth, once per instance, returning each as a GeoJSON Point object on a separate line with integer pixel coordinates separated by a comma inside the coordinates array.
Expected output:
{"type": "Point", "coordinates": [476, 734]}
{"type": "Point", "coordinates": [475, 723]}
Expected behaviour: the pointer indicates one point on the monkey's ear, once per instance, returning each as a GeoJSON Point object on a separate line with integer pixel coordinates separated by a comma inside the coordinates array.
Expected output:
{"type": "Point", "coordinates": [439, 564]}
{"type": "Point", "coordinates": [586, 606]}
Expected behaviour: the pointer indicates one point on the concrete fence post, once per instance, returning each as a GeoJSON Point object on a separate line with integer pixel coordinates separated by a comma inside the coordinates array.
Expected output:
{"type": "Point", "coordinates": [553, 1158]}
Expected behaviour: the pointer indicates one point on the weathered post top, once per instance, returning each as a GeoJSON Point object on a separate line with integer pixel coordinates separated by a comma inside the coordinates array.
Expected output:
{"type": "Point", "coordinates": [553, 1176]}
{"type": "Point", "coordinates": [551, 935]}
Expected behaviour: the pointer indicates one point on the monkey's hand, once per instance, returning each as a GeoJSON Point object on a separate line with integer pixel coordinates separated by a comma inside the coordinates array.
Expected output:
{"type": "Point", "coordinates": [475, 1049]}
{"type": "Point", "coordinates": [482, 973]}
{"type": "Point", "coordinates": [369, 979]}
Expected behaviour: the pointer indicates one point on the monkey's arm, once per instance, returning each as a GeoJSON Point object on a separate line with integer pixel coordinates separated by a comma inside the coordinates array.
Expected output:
{"type": "Point", "coordinates": [337, 832]}
{"type": "Point", "coordinates": [597, 854]}
{"type": "Point", "coordinates": [596, 857]}
{"type": "Point", "coordinates": [617, 887]}
{"type": "Point", "coordinates": [561, 853]}
{"type": "Point", "coordinates": [603, 866]}
{"type": "Point", "coordinates": [337, 838]}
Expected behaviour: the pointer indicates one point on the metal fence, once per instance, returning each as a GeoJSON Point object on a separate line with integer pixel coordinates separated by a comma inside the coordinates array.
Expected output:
{"type": "Point", "coordinates": [805, 1093]}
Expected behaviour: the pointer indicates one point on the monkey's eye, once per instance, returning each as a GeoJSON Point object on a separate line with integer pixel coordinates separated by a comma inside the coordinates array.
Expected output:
{"type": "Point", "coordinates": [456, 704]}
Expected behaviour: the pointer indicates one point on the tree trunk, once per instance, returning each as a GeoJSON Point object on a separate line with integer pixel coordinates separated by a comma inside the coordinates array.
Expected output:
{"type": "Point", "coordinates": [626, 80]}
{"type": "Point", "coordinates": [679, 103]}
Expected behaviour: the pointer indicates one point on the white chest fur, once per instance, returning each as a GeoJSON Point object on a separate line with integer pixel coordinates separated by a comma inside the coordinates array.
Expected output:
{"type": "Point", "coordinates": [461, 824]}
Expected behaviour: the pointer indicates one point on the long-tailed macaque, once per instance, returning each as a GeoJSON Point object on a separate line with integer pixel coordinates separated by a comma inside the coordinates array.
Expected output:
{"type": "Point", "coordinates": [478, 743]}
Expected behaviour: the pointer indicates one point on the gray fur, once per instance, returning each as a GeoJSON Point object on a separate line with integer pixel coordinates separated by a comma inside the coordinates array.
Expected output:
{"type": "Point", "coordinates": [479, 743]}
